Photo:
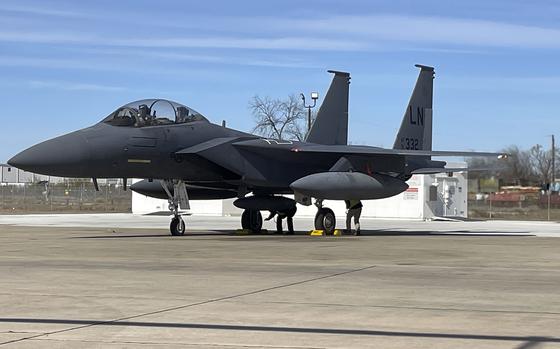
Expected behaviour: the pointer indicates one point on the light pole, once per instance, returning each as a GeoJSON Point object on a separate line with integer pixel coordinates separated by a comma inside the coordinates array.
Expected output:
{"type": "Point", "coordinates": [314, 97]}
{"type": "Point", "coordinates": [553, 160]}
{"type": "Point", "coordinates": [551, 182]}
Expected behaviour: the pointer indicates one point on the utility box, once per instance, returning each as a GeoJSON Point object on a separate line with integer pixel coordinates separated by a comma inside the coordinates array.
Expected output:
{"type": "Point", "coordinates": [9, 174]}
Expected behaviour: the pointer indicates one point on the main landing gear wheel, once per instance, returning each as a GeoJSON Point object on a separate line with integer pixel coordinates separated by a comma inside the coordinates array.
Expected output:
{"type": "Point", "coordinates": [177, 226]}
{"type": "Point", "coordinates": [252, 220]}
{"type": "Point", "coordinates": [325, 220]}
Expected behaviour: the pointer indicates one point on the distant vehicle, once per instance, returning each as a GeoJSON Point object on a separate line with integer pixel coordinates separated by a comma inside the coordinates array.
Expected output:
{"type": "Point", "coordinates": [182, 157]}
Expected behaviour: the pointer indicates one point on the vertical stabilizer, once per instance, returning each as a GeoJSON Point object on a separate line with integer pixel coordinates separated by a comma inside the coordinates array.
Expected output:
{"type": "Point", "coordinates": [416, 127]}
{"type": "Point", "coordinates": [331, 124]}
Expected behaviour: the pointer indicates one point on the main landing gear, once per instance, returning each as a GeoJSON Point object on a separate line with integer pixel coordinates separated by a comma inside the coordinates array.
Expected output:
{"type": "Point", "coordinates": [178, 200]}
{"type": "Point", "coordinates": [324, 219]}
{"type": "Point", "coordinates": [252, 220]}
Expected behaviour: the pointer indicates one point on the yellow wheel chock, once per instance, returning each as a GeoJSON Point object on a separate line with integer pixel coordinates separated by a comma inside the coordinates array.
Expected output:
{"type": "Point", "coordinates": [322, 233]}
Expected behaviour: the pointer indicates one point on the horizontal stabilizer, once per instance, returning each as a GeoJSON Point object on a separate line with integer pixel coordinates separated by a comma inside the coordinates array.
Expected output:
{"type": "Point", "coordinates": [366, 150]}
{"type": "Point", "coordinates": [433, 170]}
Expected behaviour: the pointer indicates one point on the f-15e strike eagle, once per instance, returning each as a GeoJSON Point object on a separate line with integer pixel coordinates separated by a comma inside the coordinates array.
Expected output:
{"type": "Point", "coordinates": [182, 156]}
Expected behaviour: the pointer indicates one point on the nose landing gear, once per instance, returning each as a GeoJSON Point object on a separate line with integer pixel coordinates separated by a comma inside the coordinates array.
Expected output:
{"type": "Point", "coordinates": [179, 199]}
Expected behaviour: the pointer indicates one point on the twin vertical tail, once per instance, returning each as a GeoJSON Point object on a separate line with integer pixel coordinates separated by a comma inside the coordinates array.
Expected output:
{"type": "Point", "coordinates": [416, 127]}
{"type": "Point", "coordinates": [331, 124]}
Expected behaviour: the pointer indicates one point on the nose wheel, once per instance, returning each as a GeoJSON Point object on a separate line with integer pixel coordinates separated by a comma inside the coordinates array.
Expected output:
{"type": "Point", "coordinates": [177, 226]}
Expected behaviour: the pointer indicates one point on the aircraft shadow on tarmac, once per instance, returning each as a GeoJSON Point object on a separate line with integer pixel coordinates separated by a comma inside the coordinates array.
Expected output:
{"type": "Point", "coordinates": [443, 233]}
{"type": "Point", "coordinates": [123, 235]}
{"type": "Point", "coordinates": [364, 233]}
{"type": "Point", "coordinates": [526, 341]}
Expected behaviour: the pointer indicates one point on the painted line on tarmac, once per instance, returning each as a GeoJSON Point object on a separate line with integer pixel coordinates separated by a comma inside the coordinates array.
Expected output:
{"type": "Point", "coordinates": [213, 300]}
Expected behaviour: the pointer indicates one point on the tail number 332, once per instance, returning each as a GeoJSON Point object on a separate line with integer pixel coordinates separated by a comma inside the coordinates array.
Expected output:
{"type": "Point", "coordinates": [410, 143]}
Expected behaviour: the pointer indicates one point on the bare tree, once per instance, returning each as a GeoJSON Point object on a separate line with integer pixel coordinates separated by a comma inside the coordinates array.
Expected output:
{"type": "Point", "coordinates": [542, 162]}
{"type": "Point", "coordinates": [279, 118]}
{"type": "Point", "coordinates": [523, 167]}
{"type": "Point", "coordinates": [557, 163]}
{"type": "Point", "coordinates": [517, 169]}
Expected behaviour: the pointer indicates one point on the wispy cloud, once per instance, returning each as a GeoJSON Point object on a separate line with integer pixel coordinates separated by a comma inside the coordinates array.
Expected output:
{"type": "Point", "coordinates": [219, 42]}
{"type": "Point", "coordinates": [269, 43]}
{"type": "Point", "coordinates": [49, 37]}
{"type": "Point", "coordinates": [72, 86]}
{"type": "Point", "coordinates": [426, 29]}
{"type": "Point", "coordinates": [338, 33]}
{"type": "Point", "coordinates": [173, 55]}
{"type": "Point", "coordinates": [33, 10]}
{"type": "Point", "coordinates": [55, 63]}
{"type": "Point", "coordinates": [528, 84]}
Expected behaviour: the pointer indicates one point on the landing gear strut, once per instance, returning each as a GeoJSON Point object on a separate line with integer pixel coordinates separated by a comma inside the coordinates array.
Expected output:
{"type": "Point", "coordinates": [179, 199]}
{"type": "Point", "coordinates": [252, 220]}
{"type": "Point", "coordinates": [324, 219]}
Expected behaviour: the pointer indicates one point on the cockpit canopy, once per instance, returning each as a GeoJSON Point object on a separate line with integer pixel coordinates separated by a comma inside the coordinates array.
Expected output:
{"type": "Point", "coordinates": [152, 112]}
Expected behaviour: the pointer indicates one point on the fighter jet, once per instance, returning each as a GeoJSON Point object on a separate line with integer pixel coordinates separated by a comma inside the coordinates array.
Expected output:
{"type": "Point", "coordinates": [182, 156]}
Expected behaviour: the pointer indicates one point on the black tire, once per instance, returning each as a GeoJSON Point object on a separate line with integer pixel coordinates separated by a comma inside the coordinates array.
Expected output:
{"type": "Point", "coordinates": [252, 220]}
{"type": "Point", "coordinates": [329, 221]}
{"type": "Point", "coordinates": [177, 226]}
{"type": "Point", "coordinates": [319, 219]}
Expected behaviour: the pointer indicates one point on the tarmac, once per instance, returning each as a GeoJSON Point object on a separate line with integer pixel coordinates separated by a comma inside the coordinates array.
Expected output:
{"type": "Point", "coordinates": [120, 281]}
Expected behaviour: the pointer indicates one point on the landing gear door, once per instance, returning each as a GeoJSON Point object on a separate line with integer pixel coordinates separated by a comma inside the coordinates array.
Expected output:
{"type": "Point", "coordinates": [302, 199]}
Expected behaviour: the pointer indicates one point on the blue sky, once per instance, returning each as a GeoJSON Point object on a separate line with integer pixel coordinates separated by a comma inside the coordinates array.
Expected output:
{"type": "Point", "coordinates": [65, 65]}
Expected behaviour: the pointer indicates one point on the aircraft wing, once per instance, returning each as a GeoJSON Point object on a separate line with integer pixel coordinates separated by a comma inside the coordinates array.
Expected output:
{"type": "Point", "coordinates": [366, 150]}
{"type": "Point", "coordinates": [433, 170]}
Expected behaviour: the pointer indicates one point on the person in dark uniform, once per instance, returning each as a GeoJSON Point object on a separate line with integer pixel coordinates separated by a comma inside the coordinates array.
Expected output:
{"type": "Point", "coordinates": [288, 215]}
{"type": "Point", "coordinates": [353, 210]}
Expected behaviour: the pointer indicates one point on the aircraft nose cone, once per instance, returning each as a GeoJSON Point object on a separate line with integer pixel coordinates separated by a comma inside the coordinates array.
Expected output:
{"type": "Point", "coordinates": [62, 156]}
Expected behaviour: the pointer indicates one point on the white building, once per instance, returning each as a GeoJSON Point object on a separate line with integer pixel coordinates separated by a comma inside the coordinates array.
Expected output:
{"type": "Point", "coordinates": [13, 175]}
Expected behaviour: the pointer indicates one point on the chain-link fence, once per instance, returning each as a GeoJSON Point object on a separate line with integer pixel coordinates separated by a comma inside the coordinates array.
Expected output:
{"type": "Point", "coordinates": [516, 207]}
{"type": "Point", "coordinates": [44, 197]}
{"type": "Point", "coordinates": [64, 197]}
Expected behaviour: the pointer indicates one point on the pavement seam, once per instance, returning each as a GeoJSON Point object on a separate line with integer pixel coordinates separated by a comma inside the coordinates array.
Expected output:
{"type": "Point", "coordinates": [203, 345]}
{"type": "Point", "coordinates": [418, 308]}
{"type": "Point", "coordinates": [213, 300]}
